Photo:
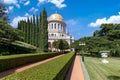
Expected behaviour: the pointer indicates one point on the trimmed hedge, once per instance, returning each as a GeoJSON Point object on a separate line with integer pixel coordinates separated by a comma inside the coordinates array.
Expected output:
{"type": "Point", "coordinates": [16, 61]}
{"type": "Point", "coordinates": [53, 70]}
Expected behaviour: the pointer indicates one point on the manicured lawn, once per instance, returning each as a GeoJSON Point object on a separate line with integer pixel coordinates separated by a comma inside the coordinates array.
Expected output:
{"type": "Point", "coordinates": [100, 71]}
{"type": "Point", "coordinates": [21, 55]}
{"type": "Point", "coordinates": [13, 61]}
{"type": "Point", "coordinates": [52, 70]}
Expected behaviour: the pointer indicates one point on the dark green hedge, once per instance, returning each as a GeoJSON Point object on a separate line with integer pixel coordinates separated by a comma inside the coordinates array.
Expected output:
{"type": "Point", "coordinates": [55, 69]}
{"type": "Point", "coordinates": [9, 63]}
{"type": "Point", "coordinates": [63, 72]}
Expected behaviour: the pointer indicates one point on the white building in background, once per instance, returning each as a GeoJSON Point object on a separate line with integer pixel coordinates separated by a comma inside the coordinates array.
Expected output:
{"type": "Point", "coordinates": [57, 30]}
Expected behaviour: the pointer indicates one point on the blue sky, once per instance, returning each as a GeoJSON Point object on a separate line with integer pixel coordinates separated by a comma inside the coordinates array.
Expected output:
{"type": "Point", "coordinates": [83, 17]}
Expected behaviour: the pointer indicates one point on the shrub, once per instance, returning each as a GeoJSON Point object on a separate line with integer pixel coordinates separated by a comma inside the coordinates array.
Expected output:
{"type": "Point", "coordinates": [13, 62]}
{"type": "Point", "coordinates": [53, 70]}
{"type": "Point", "coordinates": [117, 53]}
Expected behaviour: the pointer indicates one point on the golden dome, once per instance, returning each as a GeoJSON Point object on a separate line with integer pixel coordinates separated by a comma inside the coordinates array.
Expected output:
{"type": "Point", "coordinates": [55, 17]}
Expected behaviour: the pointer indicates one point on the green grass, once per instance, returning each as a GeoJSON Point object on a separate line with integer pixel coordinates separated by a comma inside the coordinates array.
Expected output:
{"type": "Point", "coordinates": [16, 55]}
{"type": "Point", "coordinates": [51, 70]}
{"type": "Point", "coordinates": [100, 71]}
{"type": "Point", "coordinates": [13, 61]}
{"type": "Point", "coordinates": [23, 44]}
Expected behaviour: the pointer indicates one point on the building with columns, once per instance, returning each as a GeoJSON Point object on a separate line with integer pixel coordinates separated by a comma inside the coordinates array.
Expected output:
{"type": "Point", "coordinates": [57, 30]}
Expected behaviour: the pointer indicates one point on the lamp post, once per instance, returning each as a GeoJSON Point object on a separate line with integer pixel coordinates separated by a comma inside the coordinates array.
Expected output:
{"type": "Point", "coordinates": [82, 44]}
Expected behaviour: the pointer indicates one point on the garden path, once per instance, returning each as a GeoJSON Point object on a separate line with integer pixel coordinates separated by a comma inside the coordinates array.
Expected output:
{"type": "Point", "coordinates": [76, 71]}
{"type": "Point", "coordinates": [22, 68]}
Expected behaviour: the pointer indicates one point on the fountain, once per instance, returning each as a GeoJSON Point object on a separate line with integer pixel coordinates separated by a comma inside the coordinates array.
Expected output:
{"type": "Point", "coordinates": [104, 55]}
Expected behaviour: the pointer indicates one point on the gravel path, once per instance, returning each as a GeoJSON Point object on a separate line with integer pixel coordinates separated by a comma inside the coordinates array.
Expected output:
{"type": "Point", "coordinates": [22, 68]}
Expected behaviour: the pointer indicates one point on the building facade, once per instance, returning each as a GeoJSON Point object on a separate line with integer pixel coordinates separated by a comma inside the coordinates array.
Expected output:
{"type": "Point", "coordinates": [57, 30]}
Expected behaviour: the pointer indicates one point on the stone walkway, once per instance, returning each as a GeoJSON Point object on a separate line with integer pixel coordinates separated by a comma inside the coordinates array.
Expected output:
{"type": "Point", "coordinates": [76, 72]}
{"type": "Point", "coordinates": [22, 68]}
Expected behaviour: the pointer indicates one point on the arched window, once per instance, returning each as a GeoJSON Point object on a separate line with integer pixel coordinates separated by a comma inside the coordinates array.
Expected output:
{"type": "Point", "coordinates": [52, 26]}
{"type": "Point", "coordinates": [55, 25]}
{"type": "Point", "coordinates": [52, 34]}
{"type": "Point", "coordinates": [58, 26]}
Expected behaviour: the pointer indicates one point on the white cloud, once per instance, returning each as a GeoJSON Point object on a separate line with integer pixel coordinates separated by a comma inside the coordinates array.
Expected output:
{"type": "Point", "coordinates": [115, 19]}
{"type": "Point", "coordinates": [15, 21]}
{"type": "Point", "coordinates": [11, 8]}
{"type": "Point", "coordinates": [34, 10]}
{"type": "Point", "coordinates": [119, 13]}
{"type": "Point", "coordinates": [41, 1]}
{"type": "Point", "coordinates": [98, 22]}
{"type": "Point", "coordinates": [27, 3]}
{"type": "Point", "coordinates": [17, 5]}
{"type": "Point", "coordinates": [57, 3]}
{"type": "Point", "coordinates": [15, 2]}
{"type": "Point", "coordinates": [10, 1]}
{"type": "Point", "coordinates": [26, 14]}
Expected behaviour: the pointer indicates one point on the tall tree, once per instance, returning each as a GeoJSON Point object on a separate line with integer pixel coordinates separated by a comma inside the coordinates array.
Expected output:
{"type": "Point", "coordinates": [28, 31]}
{"type": "Point", "coordinates": [31, 34]}
{"type": "Point", "coordinates": [37, 30]}
{"type": "Point", "coordinates": [39, 33]}
{"type": "Point", "coordinates": [34, 30]}
{"type": "Point", "coordinates": [44, 31]}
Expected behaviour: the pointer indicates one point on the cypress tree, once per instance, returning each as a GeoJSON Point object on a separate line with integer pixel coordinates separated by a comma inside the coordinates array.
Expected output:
{"type": "Point", "coordinates": [31, 31]}
{"type": "Point", "coordinates": [34, 29]}
{"type": "Point", "coordinates": [44, 31]}
{"type": "Point", "coordinates": [22, 28]}
{"type": "Point", "coordinates": [19, 27]}
{"type": "Point", "coordinates": [25, 30]}
{"type": "Point", "coordinates": [37, 30]}
{"type": "Point", "coordinates": [28, 31]}
{"type": "Point", "coordinates": [39, 33]}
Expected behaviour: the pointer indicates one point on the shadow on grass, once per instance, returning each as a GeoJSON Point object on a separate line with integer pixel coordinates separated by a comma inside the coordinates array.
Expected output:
{"type": "Point", "coordinates": [114, 77]}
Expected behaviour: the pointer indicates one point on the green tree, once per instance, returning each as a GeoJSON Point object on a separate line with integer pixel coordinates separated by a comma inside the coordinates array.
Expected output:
{"type": "Point", "coordinates": [37, 30]}
{"type": "Point", "coordinates": [34, 30]}
{"type": "Point", "coordinates": [28, 31]}
{"type": "Point", "coordinates": [61, 45]}
{"type": "Point", "coordinates": [44, 31]}
{"type": "Point", "coordinates": [6, 31]}
{"type": "Point", "coordinates": [39, 33]}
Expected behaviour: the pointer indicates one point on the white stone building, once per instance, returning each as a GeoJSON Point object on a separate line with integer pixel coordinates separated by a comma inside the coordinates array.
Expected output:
{"type": "Point", "coordinates": [57, 30]}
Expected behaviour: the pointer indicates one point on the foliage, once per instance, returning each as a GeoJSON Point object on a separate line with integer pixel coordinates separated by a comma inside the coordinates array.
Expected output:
{"type": "Point", "coordinates": [15, 61]}
{"type": "Point", "coordinates": [117, 52]}
{"type": "Point", "coordinates": [7, 36]}
{"type": "Point", "coordinates": [43, 31]}
{"type": "Point", "coordinates": [6, 31]}
{"type": "Point", "coordinates": [53, 70]}
{"type": "Point", "coordinates": [61, 44]}
{"type": "Point", "coordinates": [107, 38]}
{"type": "Point", "coordinates": [35, 31]}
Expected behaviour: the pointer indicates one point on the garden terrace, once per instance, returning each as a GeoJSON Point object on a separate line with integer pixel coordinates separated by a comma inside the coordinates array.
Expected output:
{"type": "Point", "coordinates": [52, 70]}
{"type": "Point", "coordinates": [13, 61]}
